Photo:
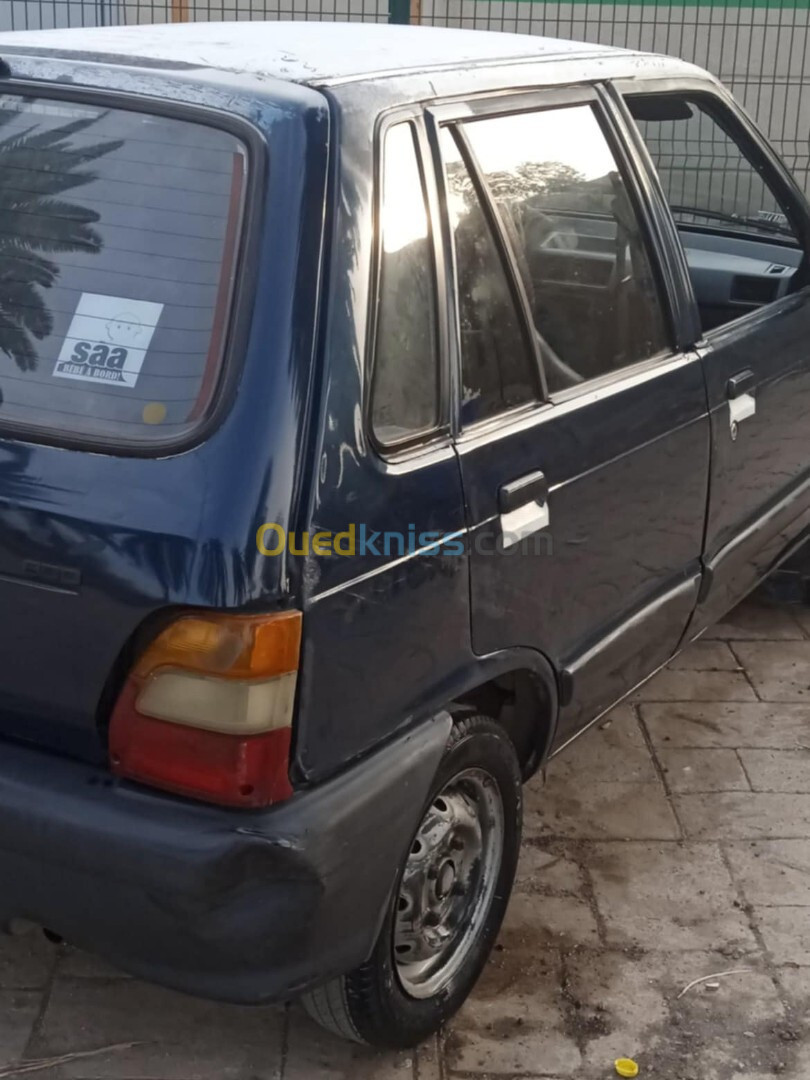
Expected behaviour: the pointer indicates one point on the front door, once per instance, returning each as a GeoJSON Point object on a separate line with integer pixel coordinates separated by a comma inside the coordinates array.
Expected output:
{"type": "Point", "coordinates": [583, 434]}
{"type": "Point", "coordinates": [744, 230]}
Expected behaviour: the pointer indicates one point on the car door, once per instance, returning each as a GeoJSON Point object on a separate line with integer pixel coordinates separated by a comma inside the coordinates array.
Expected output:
{"type": "Point", "coordinates": [582, 433]}
{"type": "Point", "coordinates": [744, 230]}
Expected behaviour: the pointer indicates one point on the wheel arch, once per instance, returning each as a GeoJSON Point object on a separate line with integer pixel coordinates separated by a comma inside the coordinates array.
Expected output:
{"type": "Point", "coordinates": [518, 688]}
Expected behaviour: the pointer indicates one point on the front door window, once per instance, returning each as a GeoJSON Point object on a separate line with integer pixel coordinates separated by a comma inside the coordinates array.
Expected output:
{"type": "Point", "coordinates": [742, 249]}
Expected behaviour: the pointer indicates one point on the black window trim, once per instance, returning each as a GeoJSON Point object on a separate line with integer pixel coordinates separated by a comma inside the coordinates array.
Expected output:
{"type": "Point", "coordinates": [509, 103]}
{"type": "Point", "coordinates": [506, 255]}
{"type": "Point", "coordinates": [760, 155]}
{"type": "Point", "coordinates": [438, 434]}
{"type": "Point", "coordinates": [246, 256]}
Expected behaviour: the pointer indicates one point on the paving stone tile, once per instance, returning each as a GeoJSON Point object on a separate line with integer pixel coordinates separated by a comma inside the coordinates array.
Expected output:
{"type": "Point", "coordinates": [786, 933]}
{"type": "Point", "coordinates": [598, 810]}
{"type": "Point", "coordinates": [429, 1059]}
{"type": "Point", "coordinates": [795, 982]}
{"type": "Point", "coordinates": [760, 725]}
{"type": "Point", "coordinates": [748, 997]}
{"type": "Point", "coordinates": [709, 1027]}
{"type": "Point", "coordinates": [772, 872]}
{"type": "Point", "coordinates": [671, 685]}
{"type": "Point", "coordinates": [781, 1075]}
{"type": "Point", "coordinates": [542, 871]}
{"type": "Point", "coordinates": [692, 769]}
{"type": "Point", "coordinates": [514, 1021]}
{"type": "Point", "coordinates": [740, 815]}
{"type": "Point", "coordinates": [615, 1005]}
{"type": "Point", "coordinates": [177, 1037]}
{"type": "Point", "coordinates": [778, 770]}
{"type": "Point", "coordinates": [705, 656]}
{"type": "Point", "coordinates": [779, 671]}
{"type": "Point", "coordinates": [79, 964]}
{"type": "Point", "coordinates": [667, 896]}
{"type": "Point", "coordinates": [534, 921]}
{"type": "Point", "coordinates": [314, 1054]}
{"type": "Point", "coordinates": [18, 1011]}
{"type": "Point", "coordinates": [799, 1066]}
{"type": "Point", "coordinates": [613, 750]}
{"type": "Point", "coordinates": [628, 1006]}
{"type": "Point", "coordinates": [801, 614]}
{"type": "Point", "coordinates": [752, 621]}
{"type": "Point", "coordinates": [25, 962]}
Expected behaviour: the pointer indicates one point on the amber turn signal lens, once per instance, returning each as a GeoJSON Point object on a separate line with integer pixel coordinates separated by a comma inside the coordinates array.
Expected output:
{"type": "Point", "coordinates": [227, 646]}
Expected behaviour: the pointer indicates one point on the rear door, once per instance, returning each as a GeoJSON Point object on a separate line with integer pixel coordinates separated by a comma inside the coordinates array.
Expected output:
{"type": "Point", "coordinates": [745, 236]}
{"type": "Point", "coordinates": [583, 431]}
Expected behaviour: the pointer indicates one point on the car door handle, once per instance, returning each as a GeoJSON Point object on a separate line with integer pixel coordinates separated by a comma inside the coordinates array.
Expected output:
{"type": "Point", "coordinates": [741, 402]}
{"type": "Point", "coordinates": [739, 384]}
{"type": "Point", "coordinates": [533, 487]}
{"type": "Point", "coordinates": [523, 504]}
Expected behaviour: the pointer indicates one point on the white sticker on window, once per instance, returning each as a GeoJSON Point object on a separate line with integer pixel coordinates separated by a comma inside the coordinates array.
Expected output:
{"type": "Point", "coordinates": [107, 339]}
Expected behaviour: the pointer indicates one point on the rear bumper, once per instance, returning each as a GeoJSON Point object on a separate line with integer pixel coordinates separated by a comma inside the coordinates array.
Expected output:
{"type": "Point", "coordinates": [243, 906]}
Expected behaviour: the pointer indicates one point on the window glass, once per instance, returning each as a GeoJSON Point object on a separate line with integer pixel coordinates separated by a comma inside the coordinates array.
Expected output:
{"type": "Point", "coordinates": [117, 237]}
{"type": "Point", "coordinates": [498, 370]}
{"type": "Point", "coordinates": [704, 173]}
{"type": "Point", "coordinates": [405, 399]}
{"type": "Point", "coordinates": [576, 240]}
{"type": "Point", "coordinates": [740, 247]}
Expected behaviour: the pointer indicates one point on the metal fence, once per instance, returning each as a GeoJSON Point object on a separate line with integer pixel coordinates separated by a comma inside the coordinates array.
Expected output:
{"type": "Point", "coordinates": [761, 49]}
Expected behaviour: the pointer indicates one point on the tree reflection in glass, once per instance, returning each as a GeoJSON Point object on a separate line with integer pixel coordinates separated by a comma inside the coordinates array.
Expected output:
{"type": "Point", "coordinates": [36, 167]}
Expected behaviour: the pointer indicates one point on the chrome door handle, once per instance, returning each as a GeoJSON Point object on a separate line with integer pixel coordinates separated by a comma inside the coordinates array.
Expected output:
{"type": "Point", "coordinates": [520, 523]}
{"type": "Point", "coordinates": [741, 403]}
{"type": "Point", "coordinates": [523, 505]}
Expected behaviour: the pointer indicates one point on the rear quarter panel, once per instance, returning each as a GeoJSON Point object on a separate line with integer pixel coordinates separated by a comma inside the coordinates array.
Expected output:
{"type": "Point", "coordinates": [93, 545]}
{"type": "Point", "coordinates": [385, 636]}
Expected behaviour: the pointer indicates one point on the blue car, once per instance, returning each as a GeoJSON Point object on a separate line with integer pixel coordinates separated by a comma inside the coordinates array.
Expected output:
{"type": "Point", "coordinates": [378, 407]}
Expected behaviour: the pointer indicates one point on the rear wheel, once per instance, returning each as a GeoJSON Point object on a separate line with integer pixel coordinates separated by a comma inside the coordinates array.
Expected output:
{"type": "Point", "coordinates": [450, 899]}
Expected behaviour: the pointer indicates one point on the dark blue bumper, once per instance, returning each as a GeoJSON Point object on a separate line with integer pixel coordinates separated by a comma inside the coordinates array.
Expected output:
{"type": "Point", "coordinates": [234, 905]}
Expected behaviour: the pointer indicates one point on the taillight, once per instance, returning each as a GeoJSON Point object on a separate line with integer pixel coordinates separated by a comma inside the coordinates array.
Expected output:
{"type": "Point", "coordinates": [207, 709]}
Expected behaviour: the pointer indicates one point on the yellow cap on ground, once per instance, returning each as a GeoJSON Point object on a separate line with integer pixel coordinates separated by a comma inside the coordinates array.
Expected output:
{"type": "Point", "coordinates": [626, 1067]}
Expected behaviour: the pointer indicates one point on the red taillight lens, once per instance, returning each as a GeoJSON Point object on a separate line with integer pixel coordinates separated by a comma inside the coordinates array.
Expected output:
{"type": "Point", "coordinates": [207, 709]}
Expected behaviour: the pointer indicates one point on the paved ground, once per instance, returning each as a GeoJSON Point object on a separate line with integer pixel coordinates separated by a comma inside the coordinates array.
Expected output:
{"type": "Point", "coordinates": [672, 843]}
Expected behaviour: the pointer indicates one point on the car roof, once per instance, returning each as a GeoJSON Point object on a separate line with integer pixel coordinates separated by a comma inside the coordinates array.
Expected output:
{"type": "Point", "coordinates": [314, 53]}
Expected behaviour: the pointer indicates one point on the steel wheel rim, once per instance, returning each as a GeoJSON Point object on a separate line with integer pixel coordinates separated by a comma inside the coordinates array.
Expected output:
{"type": "Point", "coordinates": [448, 883]}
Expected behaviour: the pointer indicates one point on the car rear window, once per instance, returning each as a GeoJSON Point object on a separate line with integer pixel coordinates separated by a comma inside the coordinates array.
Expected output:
{"type": "Point", "coordinates": [118, 237]}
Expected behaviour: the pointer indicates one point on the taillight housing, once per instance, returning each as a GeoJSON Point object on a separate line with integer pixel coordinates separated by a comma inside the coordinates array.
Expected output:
{"type": "Point", "coordinates": [207, 709]}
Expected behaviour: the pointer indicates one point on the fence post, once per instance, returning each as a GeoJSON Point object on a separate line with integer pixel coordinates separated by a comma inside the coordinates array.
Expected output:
{"type": "Point", "coordinates": [399, 11]}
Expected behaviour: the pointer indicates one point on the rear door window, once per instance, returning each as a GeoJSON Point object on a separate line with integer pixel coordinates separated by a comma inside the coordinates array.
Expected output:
{"type": "Point", "coordinates": [118, 236]}
{"type": "Point", "coordinates": [576, 238]}
{"type": "Point", "coordinates": [498, 370]}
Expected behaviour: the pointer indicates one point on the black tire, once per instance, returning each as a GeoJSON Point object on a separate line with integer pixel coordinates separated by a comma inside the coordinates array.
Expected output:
{"type": "Point", "coordinates": [372, 1004]}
